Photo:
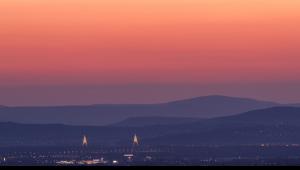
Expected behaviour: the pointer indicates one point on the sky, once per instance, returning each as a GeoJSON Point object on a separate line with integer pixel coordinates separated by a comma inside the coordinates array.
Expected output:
{"type": "Point", "coordinates": [61, 52]}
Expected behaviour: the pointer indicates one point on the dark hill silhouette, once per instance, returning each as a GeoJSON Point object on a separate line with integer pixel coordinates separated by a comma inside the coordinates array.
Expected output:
{"type": "Point", "coordinates": [201, 107]}
{"type": "Point", "coordinates": [151, 121]}
{"type": "Point", "coordinates": [278, 125]}
{"type": "Point", "coordinates": [275, 115]}
{"type": "Point", "coordinates": [292, 105]}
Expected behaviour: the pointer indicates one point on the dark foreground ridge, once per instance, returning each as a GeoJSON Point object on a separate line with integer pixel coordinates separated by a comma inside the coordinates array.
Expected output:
{"type": "Point", "coordinates": [278, 125]}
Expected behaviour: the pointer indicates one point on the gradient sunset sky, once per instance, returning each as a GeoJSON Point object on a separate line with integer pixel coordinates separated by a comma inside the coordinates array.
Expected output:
{"type": "Point", "coordinates": [60, 52]}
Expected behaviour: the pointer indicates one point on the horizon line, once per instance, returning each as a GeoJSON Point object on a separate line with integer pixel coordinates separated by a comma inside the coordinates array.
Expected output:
{"type": "Point", "coordinates": [154, 103]}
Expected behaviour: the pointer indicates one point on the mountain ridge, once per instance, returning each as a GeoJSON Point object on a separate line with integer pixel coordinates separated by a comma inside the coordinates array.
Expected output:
{"type": "Point", "coordinates": [105, 114]}
{"type": "Point", "coordinates": [154, 120]}
{"type": "Point", "coordinates": [253, 127]}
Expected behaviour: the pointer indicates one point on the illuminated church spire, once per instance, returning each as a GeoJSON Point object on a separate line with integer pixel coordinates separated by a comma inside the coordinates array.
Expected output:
{"type": "Point", "coordinates": [84, 141]}
{"type": "Point", "coordinates": [135, 140]}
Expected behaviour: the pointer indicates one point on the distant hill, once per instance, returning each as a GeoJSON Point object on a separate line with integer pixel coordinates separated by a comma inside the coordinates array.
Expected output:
{"type": "Point", "coordinates": [216, 106]}
{"type": "Point", "coordinates": [273, 116]}
{"type": "Point", "coordinates": [151, 121]}
{"type": "Point", "coordinates": [292, 105]}
{"type": "Point", "coordinates": [201, 107]}
{"type": "Point", "coordinates": [278, 125]}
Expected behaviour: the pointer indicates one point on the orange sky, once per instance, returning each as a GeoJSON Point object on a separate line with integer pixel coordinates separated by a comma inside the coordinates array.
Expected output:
{"type": "Point", "coordinates": [54, 42]}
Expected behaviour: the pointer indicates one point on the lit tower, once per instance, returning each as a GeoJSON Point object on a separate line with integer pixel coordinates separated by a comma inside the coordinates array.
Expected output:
{"type": "Point", "coordinates": [84, 141]}
{"type": "Point", "coordinates": [135, 144]}
{"type": "Point", "coordinates": [135, 140]}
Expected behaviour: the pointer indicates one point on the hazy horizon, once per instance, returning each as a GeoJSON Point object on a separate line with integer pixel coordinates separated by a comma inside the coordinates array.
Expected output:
{"type": "Point", "coordinates": [149, 82]}
{"type": "Point", "coordinates": [147, 51]}
{"type": "Point", "coordinates": [138, 94]}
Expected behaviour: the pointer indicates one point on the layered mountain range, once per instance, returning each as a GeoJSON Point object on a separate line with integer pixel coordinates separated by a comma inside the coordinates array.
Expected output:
{"type": "Point", "coordinates": [105, 114]}
{"type": "Point", "coordinates": [275, 125]}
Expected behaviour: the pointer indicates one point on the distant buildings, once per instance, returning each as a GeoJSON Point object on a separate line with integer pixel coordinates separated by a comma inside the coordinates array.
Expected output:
{"type": "Point", "coordinates": [135, 143]}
